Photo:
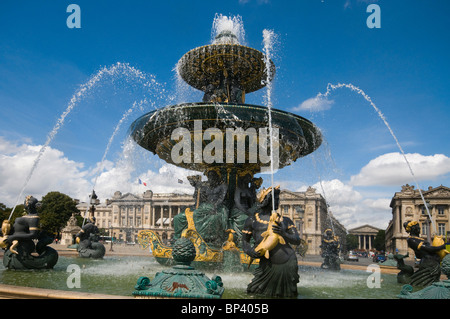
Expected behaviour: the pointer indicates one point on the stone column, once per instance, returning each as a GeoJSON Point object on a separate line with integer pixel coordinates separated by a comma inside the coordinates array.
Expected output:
{"type": "Point", "coordinates": [397, 219]}
{"type": "Point", "coordinates": [153, 222]}
{"type": "Point", "coordinates": [170, 217]}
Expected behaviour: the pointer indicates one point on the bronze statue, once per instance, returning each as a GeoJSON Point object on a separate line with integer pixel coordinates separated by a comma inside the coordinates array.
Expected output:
{"type": "Point", "coordinates": [273, 235]}
{"type": "Point", "coordinates": [20, 245]}
{"type": "Point", "coordinates": [226, 89]}
{"type": "Point", "coordinates": [244, 205]}
{"type": "Point", "coordinates": [330, 251]}
{"type": "Point", "coordinates": [429, 267]}
{"type": "Point", "coordinates": [406, 271]}
{"type": "Point", "coordinates": [88, 241]}
{"type": "Point", "coordinates": [210, 214]}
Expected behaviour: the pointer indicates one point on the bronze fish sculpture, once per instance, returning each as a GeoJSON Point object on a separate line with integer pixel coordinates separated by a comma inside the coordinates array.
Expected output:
{"type": "Point", "coordinates": [6, 229]}
{"type": "Point", "coordinates": [270, 239]}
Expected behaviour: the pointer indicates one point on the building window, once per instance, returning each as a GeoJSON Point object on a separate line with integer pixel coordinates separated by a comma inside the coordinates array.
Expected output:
{"type": "Point", "coordinates": [440, 210]}
{"type": "Point", "coordinates": [424, 229]}
{"type": "Point", "coordinates": [286, 210]}
{"type": "Point", "coordinates": [441, 229]}
{"type": "Point", "coordinates": [300, 211]}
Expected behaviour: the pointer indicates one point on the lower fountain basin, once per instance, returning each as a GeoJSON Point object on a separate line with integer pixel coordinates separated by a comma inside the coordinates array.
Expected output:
{"type": "Point", "coordinates": [118, 275]}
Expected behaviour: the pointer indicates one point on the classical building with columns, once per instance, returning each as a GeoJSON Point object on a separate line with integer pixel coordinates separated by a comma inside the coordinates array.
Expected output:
{"type": "Point", "coordinates": [309, 212]}
{"type": "Point", "coordinates": [407, 205]}
{"type": "Point", "coordinates": [366, 236]}
{"type": "Point", "coordinates": [124, 215]}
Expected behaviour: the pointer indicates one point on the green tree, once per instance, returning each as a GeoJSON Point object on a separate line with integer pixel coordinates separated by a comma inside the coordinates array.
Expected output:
{"type": "Point", "coordinates": [55, 211]}
{"type": "Point", "coordinates": [6, 211]}
{"type": "Point", "coordinates": [379, 240]}
{"type": "Point", "coordinates": [3, 213]}
{"type": "Point", "coordinates": [352, 242]}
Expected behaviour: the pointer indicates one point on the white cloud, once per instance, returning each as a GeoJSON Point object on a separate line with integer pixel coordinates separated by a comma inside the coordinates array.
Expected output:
{"type": "Point", "coordinates": [351, 208]}
{"type": "Point", "coordinates": [392, 169]}
{"type": "Point", "coordinates": [315, 104]}
{"type": "Point", "coordinates": [55, 172]}
{"type": "Point", "coordinates": [123, 178]}
{"type": "Point", "coordinates": [352, 205]}
{"type": "Point", "coordinates": [354, 208]}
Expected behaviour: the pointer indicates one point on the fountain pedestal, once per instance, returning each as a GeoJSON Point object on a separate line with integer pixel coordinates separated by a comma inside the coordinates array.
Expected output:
{"type": "Point", "coordinates": [181, 281]}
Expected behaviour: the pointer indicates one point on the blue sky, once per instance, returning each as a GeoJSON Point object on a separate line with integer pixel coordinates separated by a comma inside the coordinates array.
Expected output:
{"type": "Point", "coordinates": [403, 66]}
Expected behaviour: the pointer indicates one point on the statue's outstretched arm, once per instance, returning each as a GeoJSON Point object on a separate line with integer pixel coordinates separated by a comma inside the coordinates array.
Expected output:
{"type": "Point", "coordinates": [32, 234]}
{"type": "Point", "coordinates": [288, 231]}
{"type": "Point", "coordinates": [432, 249]}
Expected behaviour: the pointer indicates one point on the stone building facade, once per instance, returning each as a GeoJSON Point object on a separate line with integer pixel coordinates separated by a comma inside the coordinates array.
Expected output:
{"type": "Point", "coordinates": [124, 215]}
{"type": "Point", "coordinates": [408, 205]}
{"type": "Point", "coordinates": [366, 235]}
{"type": "Point", "coordinates": [309, 212]}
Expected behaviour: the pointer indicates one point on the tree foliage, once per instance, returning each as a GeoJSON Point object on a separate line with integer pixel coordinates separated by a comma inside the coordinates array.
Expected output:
{"type": "Point", "coordinates": [352, 242]}
{"type": "Point", "coordinates": [55, 211]}
{"type": "Point", "coordinates": [3, 213]}
{"type": "Point", "coordinates": [379, 240]}
{"type": "Point", "coordinates": [6, 211]}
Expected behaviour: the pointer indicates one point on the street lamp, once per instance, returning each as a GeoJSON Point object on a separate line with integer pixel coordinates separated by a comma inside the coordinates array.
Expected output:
{"type": "Point", "coordinates": [93, 202]}
{"type": "Point", "coordinates": [111, 235]}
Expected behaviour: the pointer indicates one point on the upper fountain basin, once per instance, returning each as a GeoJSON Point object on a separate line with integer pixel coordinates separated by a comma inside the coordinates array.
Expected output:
{"type": "Point", "coordinates": [209, 64]}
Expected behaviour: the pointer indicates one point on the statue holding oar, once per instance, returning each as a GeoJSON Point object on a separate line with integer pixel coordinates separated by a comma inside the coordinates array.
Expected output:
{"type": "Point", "coordinates": [210, 214]}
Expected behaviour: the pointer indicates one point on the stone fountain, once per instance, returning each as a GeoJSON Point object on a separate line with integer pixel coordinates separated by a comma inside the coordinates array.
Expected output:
{"type": "Point", "coordinates": [225, 139]}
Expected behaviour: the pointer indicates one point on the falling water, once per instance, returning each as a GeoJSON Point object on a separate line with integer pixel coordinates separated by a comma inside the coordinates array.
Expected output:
{"type": "Point", "coordinates": [114, 70]}
{"type": "Point", "coordinates": [136, 105]}
{"type": "Point", "coordinates": [333, 87]}
{"type": "Point", "coordinates": [326, 205]}
{"type": "Point", "coordinates": [268, 36]}
{"type": "Point", "coordinates": [314, 162]}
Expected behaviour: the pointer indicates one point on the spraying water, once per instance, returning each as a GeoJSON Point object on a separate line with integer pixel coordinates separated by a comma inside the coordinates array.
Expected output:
{"type": "Point", "coordinates": [234, 25]}
{"type": "Point", "coordinates": [326, 205]}
{"type": "Point", "coordinates": [135, 106]}
{"type": "Point", "coordinates": [268, 36]}
{"type": "Point", "coordinates": [114, 70]}
{"type": "Point", "coordinates": [333, 87]}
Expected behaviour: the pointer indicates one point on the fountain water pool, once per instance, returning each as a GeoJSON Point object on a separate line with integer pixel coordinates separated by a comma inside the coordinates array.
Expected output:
{"type": "Point", "coordinates": [117, 275]}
